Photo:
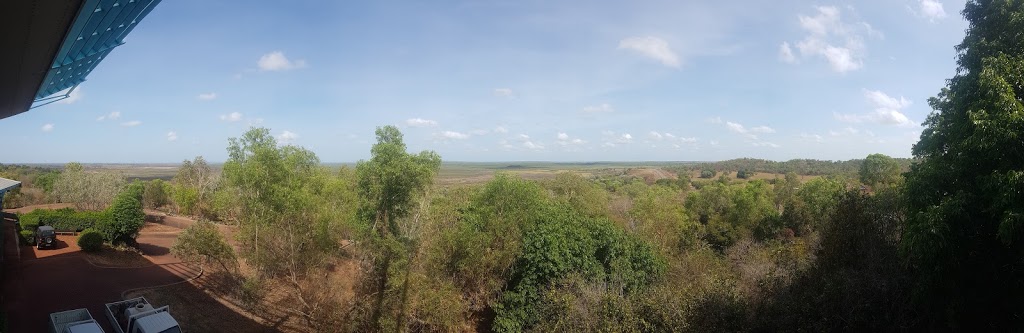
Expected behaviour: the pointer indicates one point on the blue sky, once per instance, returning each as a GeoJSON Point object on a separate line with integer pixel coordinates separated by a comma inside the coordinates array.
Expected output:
{"type": "Point", "coordinates": [511, 80]}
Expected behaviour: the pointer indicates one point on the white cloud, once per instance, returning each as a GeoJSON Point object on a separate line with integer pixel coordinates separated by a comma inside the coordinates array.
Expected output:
{"type": "Point", "coordinates": [736, 127]}
{"type": "Point", "coordinates": [500, 130]}
{"type": "Point", "coordinates": [503, 92]}
{"type": "Point", "coordinates": [765, 144]}
{"type": "Point", "coordinates": [748, 132]}
{"type": "Point", "coordinates": [840, 43]}
{"type": "Point", "coordinates": [454, 135]}
{"type": "Point", "coordinates": [172, 136]}
{"type": "Point", "coordinates": [533, 145]}
{"type": "Point", "coordinates": [231, 117]}
{"type": "Point", "coordinates": [652, 47]}
{"type": "Point", "coordinates": [287, 137]}
{"type": "Point", "coordinates": [655, 135]}
{"type": "Point", "coordinates": [131, 123]}
{"type": "Point", "coordinates": [276, 61]}
{"type": "Point", "coordinates": [815, 137]}
{"type": "Point", "coordinates": [566, 141]}
{"type": "Point", "coordinates": [603, 108]}
{"type": "Point", "coordinates": [930, 9]}
{"type": "Point", "coordinates": [715, 120]}
{"type": "Point", "coordinates": [786, 53]}
{"type": "Point", "coordinates": [625, 138]}
{"type": "Point", "coordinates": [479, 132]}
{"type": "Point", "coordinates": [420, 122]}
{"type": "Point", "coordinates": [75, 96]}
{"type": "Point", "coordinates": [47, 128]}
{"type": "Point", "coordinates": [112, 116]}
{"type": "Point", "coordinates": [887, 110]}
{"type": "Point", "coordinates": [207, 96]}
{"type": "Point", "coordinates": [844, 132]}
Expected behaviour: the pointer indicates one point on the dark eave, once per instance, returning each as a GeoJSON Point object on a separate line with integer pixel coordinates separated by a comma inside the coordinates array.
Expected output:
{"type": "Point", "coordinates": [31, 32]}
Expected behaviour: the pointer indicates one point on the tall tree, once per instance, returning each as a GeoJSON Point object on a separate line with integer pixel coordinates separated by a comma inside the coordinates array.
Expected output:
{"type": "Point", "coordinates": [879, 169]}
{"type": "Point", "coordinates": [391, 179]}
{"type": "Point", "coordinates": [388, 184]}
{"type": "Point", "coordinates": [286, 231]}
{"type": "Point", "coordinates": [965, 233]}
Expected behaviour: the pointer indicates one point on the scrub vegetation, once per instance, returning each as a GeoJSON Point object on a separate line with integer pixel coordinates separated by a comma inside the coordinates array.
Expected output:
{"type": "Point", "coordinates": [932, 243]}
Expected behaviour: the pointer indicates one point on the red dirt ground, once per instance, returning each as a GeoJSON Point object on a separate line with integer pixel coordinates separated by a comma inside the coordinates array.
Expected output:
{"type": "Point", "coordinates": [39, 282]}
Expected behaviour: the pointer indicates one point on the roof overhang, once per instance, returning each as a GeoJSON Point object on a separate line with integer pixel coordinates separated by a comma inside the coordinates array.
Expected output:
{"type": "Point", "coordinates": [49, 46]}
{"type": "Point", "coordinates": [8, 184]}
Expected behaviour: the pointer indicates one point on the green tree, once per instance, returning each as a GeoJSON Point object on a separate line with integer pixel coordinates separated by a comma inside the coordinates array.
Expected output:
{"type": "Point", "coordinates": [126, 216]}
{"type": "Point", "coordinates": [879, 169]}
{"type": "Point", "coordinates": [155, 194]}
{"type": "Point", "coordinates": [202, 242]}
{"type": "Point", "coordinates": [193, 187]}
{"type": "Point", "coordinates": [285, 231]}
{"type": "Point", "coordinates": [965, 234]}
{"type": "Point", "coordinates": [391, 179]}
{"type": "Point", "coordinates": [388, 185]}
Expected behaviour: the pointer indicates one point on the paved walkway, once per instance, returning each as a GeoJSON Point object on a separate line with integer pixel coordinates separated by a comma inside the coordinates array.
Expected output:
{"type": "Point", "coordinates": [38, 284]}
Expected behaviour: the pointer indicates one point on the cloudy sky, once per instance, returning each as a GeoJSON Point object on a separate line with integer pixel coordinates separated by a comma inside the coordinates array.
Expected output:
{"type": "Point", "coordinates": [505, 80]}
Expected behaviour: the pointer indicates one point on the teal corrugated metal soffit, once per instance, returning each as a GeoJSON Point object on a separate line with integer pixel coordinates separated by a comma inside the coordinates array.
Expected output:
{"type": "Point", "coordinates": [100, 26]}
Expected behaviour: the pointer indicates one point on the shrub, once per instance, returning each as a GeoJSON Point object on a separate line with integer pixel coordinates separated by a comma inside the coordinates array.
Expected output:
{"type": "Point", "coordinates": [707, 174]}
{"type": "Point", "coordinates": [202, 242]}
{"type": "Point", "coordinates": [90, 240]}
{"type": "Point", "coordinates": [126, 217]}
{"type": "Point", "coordinates": [65, 219]}
{"type": "Point", "coordinates": [562, 243]}
{"type": "Point", "coordinates": [27, 236]}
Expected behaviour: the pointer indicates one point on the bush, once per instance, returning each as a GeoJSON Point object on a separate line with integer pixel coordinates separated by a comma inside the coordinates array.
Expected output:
{"type": "Point", "coordinates": [562, 243]}
{"type": "Point", "coordinates": [28, 236]}
{"type": "Point", "coordinates": [202, 242]}
{"type": "Point", "coordinates": [90, 240]}
{"type": "Point", "coordinates": [126, 217]}
{"type": "Point", "coordinates": [707, 174]}
{"type": "Point", "coordinates": [65, 219]}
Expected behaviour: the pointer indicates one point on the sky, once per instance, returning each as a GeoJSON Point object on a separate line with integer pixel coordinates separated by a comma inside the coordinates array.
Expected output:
{"type": "Point", "coordinates": [510, 80]}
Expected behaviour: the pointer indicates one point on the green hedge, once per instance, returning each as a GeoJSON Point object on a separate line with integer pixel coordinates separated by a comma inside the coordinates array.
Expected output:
{"type": "Point", "coordinates": [65, 219]}
{"type": "Point", "coordinates": [28, 237]}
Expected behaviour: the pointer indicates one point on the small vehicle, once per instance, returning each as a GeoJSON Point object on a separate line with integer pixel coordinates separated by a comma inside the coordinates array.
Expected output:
{"type": "Point", "coordinates": [137, 315]}
{"type": "Point", "coordinates": [46, 237]}
{"type": "Point", "coordinates": [74, 321]}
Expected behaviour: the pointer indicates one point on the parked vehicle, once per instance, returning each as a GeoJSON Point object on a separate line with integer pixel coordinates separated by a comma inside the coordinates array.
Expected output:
{"type": "Point", "coordinates": [137, 315]}
{"type": "Point", "coordinates": [45, 237]}
{"type": "Point", "coordinates": [74, 321]}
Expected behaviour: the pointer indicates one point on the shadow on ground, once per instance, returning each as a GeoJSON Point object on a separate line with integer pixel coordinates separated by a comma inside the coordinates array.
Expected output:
{"type": "Point", "coordinates": [35, 286]}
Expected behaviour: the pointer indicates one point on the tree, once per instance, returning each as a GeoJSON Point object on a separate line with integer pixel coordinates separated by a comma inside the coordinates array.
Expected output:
{"type": "Point", "coordinates": [391, 179]}
{"type": "Point", "coordinates": [155, 194]}
{"type": "Point", "coordinates": [286, 231]}
{"type": "Point", "coordinates": [92, 190]}
{"type": "Point", "coordinates": [879, 169]}
{"type": "Point", "coordinates": [202, 242]}
{"type": "Point", "coordinates": [126, 216]}
{"type": "Point", "coordinates": [388, 184]}
{"type": "Point", "coordinates": [965, 232]}
{"type": "Point", "coordinates": [193, 187]}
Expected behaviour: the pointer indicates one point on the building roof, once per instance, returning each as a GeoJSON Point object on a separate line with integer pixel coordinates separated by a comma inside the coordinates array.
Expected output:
{"type": "Point", "coordinates": [8, 184]}
{"type": "Point", "coordinates": [49, 46]}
